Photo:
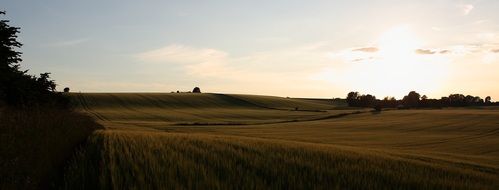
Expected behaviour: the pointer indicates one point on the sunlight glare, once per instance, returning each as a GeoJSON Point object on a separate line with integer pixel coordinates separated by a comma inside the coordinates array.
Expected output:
{"type": "Point", "coordinates": [398, 43]}
{"type": "Point", "coordinates": [396, 68]}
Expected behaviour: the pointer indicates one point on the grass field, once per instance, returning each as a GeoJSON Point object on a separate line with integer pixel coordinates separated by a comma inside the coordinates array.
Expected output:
{"type": "Point", "coordinates": [241, 141]}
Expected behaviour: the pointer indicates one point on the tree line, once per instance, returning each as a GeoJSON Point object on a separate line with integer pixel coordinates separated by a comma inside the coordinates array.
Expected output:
{"type": "Point", "coordinates": [415, 100]}
{"type": "Point", "coordinates": [17, 87]}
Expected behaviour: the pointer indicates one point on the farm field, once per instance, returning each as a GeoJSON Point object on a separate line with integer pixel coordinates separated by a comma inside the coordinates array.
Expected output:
{"type": "Point", "coordinates": [212, 140]}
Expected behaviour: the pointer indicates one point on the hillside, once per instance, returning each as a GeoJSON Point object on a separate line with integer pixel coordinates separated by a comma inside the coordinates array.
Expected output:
{"type": "Point", "coordinates": [187, 141]}
{"type": "Point", "coordinates": [191, 108]}
{"type": "Point", "coordinates": [198, 101]}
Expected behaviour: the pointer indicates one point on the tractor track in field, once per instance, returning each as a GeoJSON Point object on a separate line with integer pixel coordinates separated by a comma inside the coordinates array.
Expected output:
{"type": "Point", "coordinates": [86, 107]}
{"type": "Point", "coordinates": [493, 132]}
{"type": "Point", "coordinates": [335, 116]}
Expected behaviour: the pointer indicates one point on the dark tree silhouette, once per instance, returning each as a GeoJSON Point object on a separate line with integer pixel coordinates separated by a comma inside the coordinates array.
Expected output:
{"type": "Point", "coordinates": [389, 102]}
{"type": "Point", "coordinates": [9, 57]}
{"type": "Point", "coordinates": [196, 90]}
{"type": "Point", "coordinates": [16, 86]}
{"type": "Point", "coordinates": [66, 90]}
{"type": "Point", "coordinates": [412, 99]}
{"type": "Point", "coordinates": [356, 100]}
{"type": "Point", "coordinates": [353, 98]}
{"type": "Point", "coordinates": [367, 100]}
{"type": "Point", "coordinates": [488, 100]}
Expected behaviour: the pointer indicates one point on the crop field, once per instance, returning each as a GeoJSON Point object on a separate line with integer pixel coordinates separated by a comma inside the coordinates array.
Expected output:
{"type": "Point", "coordinates": [213, 141]}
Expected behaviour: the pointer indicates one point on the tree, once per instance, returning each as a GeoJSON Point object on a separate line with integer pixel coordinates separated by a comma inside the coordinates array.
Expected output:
{"type": "Point", "coordinates": [367, 100]}
{"type": "Point", "coordinates": [389, 102]}
{"type": "Point", "coordinates": [353, 98]}
{"type": "Point", "coordinates": [66, 90]}
{"type": "Point", "coordinates": [424, 97]}
{"type": "Point", "coordinates": [196, 90]}
{"type": "Point", "coordinates": [412, 99]}
{"type": "Point", "coordinates": [17, 88]}
{"type": "Point", "coordinates": [488, 100]}
{"type": "Point", "coordinates": [457, 100]}
{"type": "Point", "coordinates": [9, 57]}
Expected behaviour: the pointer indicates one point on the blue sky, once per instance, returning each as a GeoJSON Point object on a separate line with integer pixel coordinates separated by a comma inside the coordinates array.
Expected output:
{"type": "Point", "coordinates": [285, 48]}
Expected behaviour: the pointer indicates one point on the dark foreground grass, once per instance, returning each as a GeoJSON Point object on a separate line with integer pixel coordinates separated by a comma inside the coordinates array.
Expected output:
{"type": "Point", "coordinates": [36, 143]}
{"type": "Point", "coordinates": [117, 159]}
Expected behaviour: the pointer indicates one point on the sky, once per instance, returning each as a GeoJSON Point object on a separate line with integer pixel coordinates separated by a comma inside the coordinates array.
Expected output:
{"type": "Point", "coordinates": [292, 48]}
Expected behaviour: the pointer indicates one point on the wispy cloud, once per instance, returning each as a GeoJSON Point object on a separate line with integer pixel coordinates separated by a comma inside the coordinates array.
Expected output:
{"type": "Point", "coordinates": [466, 8]}
{"type": "Point", "coordinates": [67, 43]}
{"type": "Point", "coordinates": [176, 53]}
{"type": "Point", "coordinates": [445, 51]}
{"type": "Point", "coordinates": [367, 49]}
{"type": "Point", "coordinates": [273, 68]}
{"type": "Point", "coordinates": [425, 52]}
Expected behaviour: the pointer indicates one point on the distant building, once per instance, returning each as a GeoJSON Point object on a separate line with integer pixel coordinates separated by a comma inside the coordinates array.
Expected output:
{"type": "Point", "coordinates": [196, 90]}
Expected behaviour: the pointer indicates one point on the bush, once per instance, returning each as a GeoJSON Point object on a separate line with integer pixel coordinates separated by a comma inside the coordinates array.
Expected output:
{"type": "Point", "coordinates": [196, 90]}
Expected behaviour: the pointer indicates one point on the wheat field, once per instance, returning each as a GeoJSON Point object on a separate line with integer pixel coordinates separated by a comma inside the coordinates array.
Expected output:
{"type": "Point", "coordinates": [219, 141]}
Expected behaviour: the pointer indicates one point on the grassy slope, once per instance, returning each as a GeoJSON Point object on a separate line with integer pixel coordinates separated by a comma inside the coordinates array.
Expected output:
{"type": "Point", "coordinates": [198, 101]}
{"type": "Point", "coordinates": [455, 133]}
{"type": "Point", "coordinates": [288, 103]}
{"type": "Point", "coordinates": [396, 149]}
{"type": "Point", "coordinates": [152, 160]}
{"type": "Point", "coordinates": [169, 109]}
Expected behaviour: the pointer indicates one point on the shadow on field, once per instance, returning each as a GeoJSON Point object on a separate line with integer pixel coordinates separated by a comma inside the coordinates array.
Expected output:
{"type": "Point", "coordinates": [35, 145]}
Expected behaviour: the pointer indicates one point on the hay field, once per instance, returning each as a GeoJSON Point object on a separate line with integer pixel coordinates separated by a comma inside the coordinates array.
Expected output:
{"type": "Point", "coordinates": [239, 141]}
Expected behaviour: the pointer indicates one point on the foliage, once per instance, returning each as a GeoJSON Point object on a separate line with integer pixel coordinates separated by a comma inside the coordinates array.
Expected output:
{"type": "Point", "coordinates": [356, 100]}
{"type": "Point", "coordinates": [196, 90]}
{"type": "Point", "coordinates": [412, 99]}
{"type": "Point", "coordinates": [17, 88]}
{"type": "Point", "coordinates": [415, 100]}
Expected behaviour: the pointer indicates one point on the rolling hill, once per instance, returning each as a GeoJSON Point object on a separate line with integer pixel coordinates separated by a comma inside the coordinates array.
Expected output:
{"type": "Point", "coordinates": [206, 109]}
{"type": "Point", "coordinates": [220, 141]}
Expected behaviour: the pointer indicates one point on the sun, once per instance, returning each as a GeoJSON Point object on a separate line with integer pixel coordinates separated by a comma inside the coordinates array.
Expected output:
{"type": "Point", "coordinates": [395, 68]}
{"type": "Point", "coordinates": [398, 43]}
{"type": "Point", "coordinates": [399, 69]}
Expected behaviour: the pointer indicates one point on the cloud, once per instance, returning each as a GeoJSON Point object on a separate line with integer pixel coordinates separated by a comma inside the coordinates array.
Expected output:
{"type": "Point", "coordinates": [182, 54]}
{"type": "Point", "coordinates": [425, 52]}
{"type": "Point", "coordinates": [217, 64]}
{"type": "Point", "coordinates": [363, 59]}
{"type": "Point", "coordinates": [445, 51]}
{"type": "Point", "coordinates": [367, 49]}
{"type": "Point", "coordinates": [466, 8]}
{"type": "Point", "coordinates": [67, 43]}
{"type": "Point", "coordinates": [463, 49]}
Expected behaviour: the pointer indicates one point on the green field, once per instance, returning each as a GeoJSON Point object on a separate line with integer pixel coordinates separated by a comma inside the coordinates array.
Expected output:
{"type": "Point", "coordinates": [207, 141]}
